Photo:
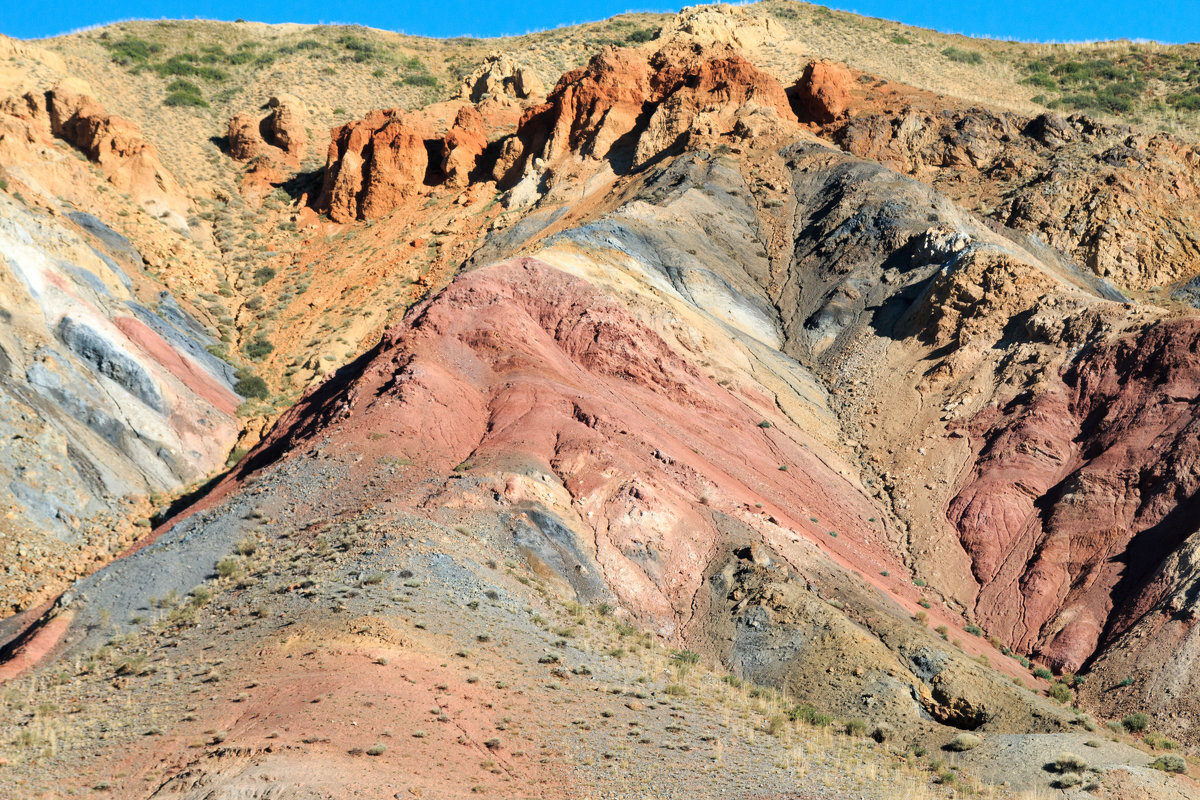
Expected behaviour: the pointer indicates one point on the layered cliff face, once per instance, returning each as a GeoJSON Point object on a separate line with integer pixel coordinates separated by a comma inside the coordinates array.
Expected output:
{"type": "Point", "coordinates": [860, 393]}
{"type": "Point", "coordinates": [108, 398]}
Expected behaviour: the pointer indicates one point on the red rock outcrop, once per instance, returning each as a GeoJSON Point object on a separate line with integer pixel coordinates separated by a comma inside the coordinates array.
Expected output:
{"type": "Point", "coordinates": [374, 164]}
{"type": "Point", "coordinates": [280, 134]}
{"type": "Point", "coordinates": [462, 146]}
{"type": "Point", "coordinates": [680, 89]}
{"type": "Point", "coordinates": [128, 161]}
{"type": "Point", "coordinates": [272, 145]}
{"type": "Point", "coordinates": [702, 91]}
{"type": "Point", "coordinates": [1078, 497]}
{"type": "Point", "coordinates": [245, 140]}
{"type": "Point", "coordinates": [823, 92]}
{"type": "Point", "coordinates": [285, 127]}
{"type": "Point", "coordinates": [590, 108]}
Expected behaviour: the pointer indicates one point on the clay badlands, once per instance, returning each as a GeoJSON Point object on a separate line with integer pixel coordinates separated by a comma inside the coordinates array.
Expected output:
{"type": "Point", "coordinates": [750, 402]}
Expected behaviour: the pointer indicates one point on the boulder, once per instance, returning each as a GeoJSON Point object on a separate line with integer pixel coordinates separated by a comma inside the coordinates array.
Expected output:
{"type": "Point", "coordinates": [244, 140]}
{"type": "Point", "coordinates": [823, 93]}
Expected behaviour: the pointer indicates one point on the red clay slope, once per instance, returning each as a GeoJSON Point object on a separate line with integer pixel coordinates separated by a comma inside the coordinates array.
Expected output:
{"type": "Point", "coordinates": [520, 369]}
{"type": "Point", "coordinates": [1078, 498]}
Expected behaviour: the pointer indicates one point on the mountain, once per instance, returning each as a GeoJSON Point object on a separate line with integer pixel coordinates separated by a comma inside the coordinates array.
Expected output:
{"type": "Point", "coordinates": [756, 401]}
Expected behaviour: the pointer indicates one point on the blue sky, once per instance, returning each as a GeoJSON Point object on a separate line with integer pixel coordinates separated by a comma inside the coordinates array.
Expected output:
{"type": "Point", "coordinates": [1040, 20]}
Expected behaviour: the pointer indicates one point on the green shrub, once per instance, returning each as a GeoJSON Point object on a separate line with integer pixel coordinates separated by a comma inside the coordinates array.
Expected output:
{"type": "Point", "coordinates": [1043, 673]}
{"type": "Point", "coordinates": [1069, 762]}
{"type": "Point", "coordinates": [963, 56]}
{"type": "Point", "coordinates": [974, 630]}
{"type": "Point", "coordinates": [685, 657]}
{"type": "Point", "coordinates": [252, 386]}
{"type": "Point", "coordinates": [1059, 691]}
{"type": "Point", "coordinates": [641, 36]}
{"type": "Point", "coordinates": [132, 50]}
{"type": "Point", "coordinates": [1136, 722]}
{"type": "Point", "coordinates": [419, 80]}
{"type": "Point", "coordinates": [1041, 80]}
{"type": "Point", "coordinates": [1170, 763]}
{"type": "Point", "coordinates": [185, 100]}
{"type": "Point", "coordinates": [806, 713]}
{"type": "Point", "coordinates": [258, 349]}
{"type": "Point", "coordinates": [900, 38]}
{"type": "Point", "coordinates": [184, 65]}
{"type": "Point", "coordinates": [1159, 742]}
{"type": "Point", "coordinates": [855, 727]}
{"type": "Point", "coordinates": [263, 275]}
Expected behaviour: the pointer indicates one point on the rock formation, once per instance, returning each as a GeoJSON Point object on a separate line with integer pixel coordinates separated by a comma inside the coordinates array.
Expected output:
{"type": "Point", "coordinates": [374, 164]}
{"type": "Point", "coordinates": [462, 146]}
{"type": "Point", "coordinates": [1101, 193]}
{"type": "Point", "coordinates": [69, 112]}
{"type": "Point", "coordinates": [823, 92]}
{"type": "Point", "coordinates": [627, 97]}
{"type": "Point", "coordinates": [500, 77]}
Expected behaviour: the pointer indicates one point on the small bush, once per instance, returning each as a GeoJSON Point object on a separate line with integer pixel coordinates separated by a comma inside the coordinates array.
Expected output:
{"type": "Point", "coordinates": [132, 51]}
{"type": "Point", "coordinates": [1136, 722]}
{"type": "Point", "coordinates": [963, 56]}
{"type": "Point", "coordinates": [964, 742]}
{"type": "Point", "coordinates": [419, 80]}
{"type": "Point", "coordinates": [251, 386]}
{"type": "Point", "coordinates": [855, 727]}
{"type": "Point", "coordinates": [1170, 763]}
{"type": "Point", "coordinates": [1069, 762]}
{"type": "Point", "coordinates": [900, 38]}
{"type": "Point", "coordinates": [185, 100]}
{"type": "Point", "coordinates": [1042, 81]}
{"type": "Point", "coordinates": [806, 713]}
{"type": "Point", "coordinates": [685, 658]}
{"type": "Point", "coordinates": [1060, 692]}
{"type": "Point", "coordinates": [258, 349]}
{"type": "Point", "coordinates": [974, 630]}
{"type": "Point", "coordinates": [1043, 673]}
{"type": "Point", "coordinates": [263, 275]}
{"type": "Point", "coordinates": [377, 750]}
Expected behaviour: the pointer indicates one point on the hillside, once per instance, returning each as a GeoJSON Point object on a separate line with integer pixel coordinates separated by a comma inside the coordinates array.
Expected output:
{"type": "Point", "coordinates": [759, 401]}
